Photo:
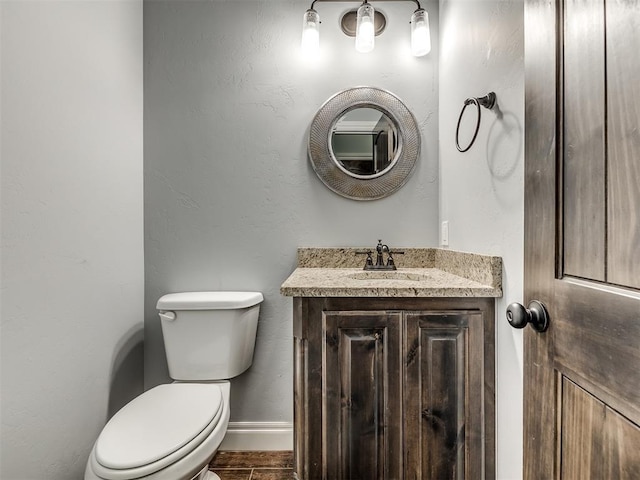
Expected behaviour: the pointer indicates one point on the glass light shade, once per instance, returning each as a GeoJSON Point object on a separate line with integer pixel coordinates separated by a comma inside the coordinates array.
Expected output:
{"type": "Point", "coordinates": [420, 35]}
{"type": "Point", "coordinates": [310, 32]}
{"type": "Point", "coordinates": [365, 29]}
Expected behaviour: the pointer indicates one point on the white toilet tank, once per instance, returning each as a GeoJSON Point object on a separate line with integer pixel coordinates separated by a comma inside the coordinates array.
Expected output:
{"type": "Point", "coordinates": [209, 335]}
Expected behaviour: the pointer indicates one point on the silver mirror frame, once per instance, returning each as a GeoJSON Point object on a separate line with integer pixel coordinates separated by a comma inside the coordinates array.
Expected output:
{"type": "Point", "coordinates": [326, 166]}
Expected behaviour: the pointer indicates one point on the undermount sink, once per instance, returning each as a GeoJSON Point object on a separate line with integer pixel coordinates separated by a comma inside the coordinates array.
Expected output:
{"type": "Point", "coordinates": [388, 275]}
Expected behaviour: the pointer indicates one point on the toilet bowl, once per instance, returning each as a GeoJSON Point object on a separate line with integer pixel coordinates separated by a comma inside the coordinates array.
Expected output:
{"type": "Point", "coordinates": [172, 431]}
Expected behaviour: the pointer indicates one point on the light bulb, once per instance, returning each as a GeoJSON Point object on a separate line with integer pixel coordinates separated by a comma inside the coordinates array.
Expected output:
{"type": "Point", "coordinates": [365, 30]}
{"type": "Point", "coordinates": [310, 32]}
{"type": "Point", "coordinates": [420, 36]}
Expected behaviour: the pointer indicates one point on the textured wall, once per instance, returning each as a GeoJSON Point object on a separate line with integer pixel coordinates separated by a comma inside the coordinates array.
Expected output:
{"type": "Point", "coordinates": [481, 191]}
{"type": "Point", "coordinates": [229, 192]}
{"type": "Point", "coordinates": [72, 279]}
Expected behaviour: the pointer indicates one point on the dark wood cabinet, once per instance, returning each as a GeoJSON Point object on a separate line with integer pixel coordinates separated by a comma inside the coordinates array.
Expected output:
{"type": "Point", "coordinates": [394, 388]}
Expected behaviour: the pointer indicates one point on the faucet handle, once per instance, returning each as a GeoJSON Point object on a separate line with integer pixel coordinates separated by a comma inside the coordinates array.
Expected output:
{"type": "Point", "coordinates": [390, 262]}
{"type": "Point", "coordinates": [369, 260]}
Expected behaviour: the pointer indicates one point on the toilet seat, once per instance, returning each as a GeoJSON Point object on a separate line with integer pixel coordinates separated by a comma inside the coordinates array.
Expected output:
{"type": "Point", "coordinates": [157, 429]}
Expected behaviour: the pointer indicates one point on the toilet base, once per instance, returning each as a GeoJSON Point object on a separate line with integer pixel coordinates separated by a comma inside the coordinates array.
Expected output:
{"type": "Point", "coordinates": [205, 474]}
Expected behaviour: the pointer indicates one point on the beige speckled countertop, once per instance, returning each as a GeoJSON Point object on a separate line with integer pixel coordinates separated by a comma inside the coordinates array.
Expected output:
{"type": "Point", "coordinates": [422, 272]}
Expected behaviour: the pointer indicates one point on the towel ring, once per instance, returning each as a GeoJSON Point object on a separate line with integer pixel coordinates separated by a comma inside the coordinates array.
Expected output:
{"type": "Point", "coordinates": [488, 101]}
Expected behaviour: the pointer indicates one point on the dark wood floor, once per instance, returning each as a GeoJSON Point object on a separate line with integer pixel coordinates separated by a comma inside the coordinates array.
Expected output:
{"type": "Point", "coordinates": [277, 465]}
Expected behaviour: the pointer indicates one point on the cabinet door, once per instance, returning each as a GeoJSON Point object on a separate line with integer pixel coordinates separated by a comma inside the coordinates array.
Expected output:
{"type": "Point", "coordinates": [444, 416]}
{"type": "Point", "coordinates": [362, 396]}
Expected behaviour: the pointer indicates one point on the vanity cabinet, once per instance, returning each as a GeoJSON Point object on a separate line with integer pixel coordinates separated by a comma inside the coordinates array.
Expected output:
{"type": "Point", "coordinates": [394, 388]}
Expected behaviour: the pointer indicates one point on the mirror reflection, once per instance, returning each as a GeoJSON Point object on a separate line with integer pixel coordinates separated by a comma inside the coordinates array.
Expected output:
{"type": "Point", "coordinates": [364, 141]}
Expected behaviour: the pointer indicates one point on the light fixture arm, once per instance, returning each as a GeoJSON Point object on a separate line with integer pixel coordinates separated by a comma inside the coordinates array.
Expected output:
{"type": "Point", "coordinates": [365, 1]}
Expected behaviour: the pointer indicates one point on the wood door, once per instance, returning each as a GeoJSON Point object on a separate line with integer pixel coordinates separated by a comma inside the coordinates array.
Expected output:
{"type": "Point", "coordinates": [582, 239]}
{"type": "Point", "coordinates": [362, 398]}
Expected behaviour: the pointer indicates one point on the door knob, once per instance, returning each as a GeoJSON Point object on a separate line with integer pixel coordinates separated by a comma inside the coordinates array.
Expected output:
{"type": "Point", "coordinates": [536, 315]}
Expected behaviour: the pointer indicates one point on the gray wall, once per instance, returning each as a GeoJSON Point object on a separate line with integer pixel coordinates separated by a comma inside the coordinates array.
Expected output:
{"type": "Point", "coordinates": [481, 191]}
{"type": "Point", "coordinates": [72, 278]}
{"type": "Point", "coordinates": [229, 192]}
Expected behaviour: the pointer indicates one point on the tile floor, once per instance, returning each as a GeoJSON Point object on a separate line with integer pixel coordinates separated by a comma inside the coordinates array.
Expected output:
{"type": "Point", "coordinates": [277, 465]}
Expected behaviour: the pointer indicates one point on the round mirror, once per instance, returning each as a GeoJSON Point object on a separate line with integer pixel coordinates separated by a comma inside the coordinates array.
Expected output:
{"type": "Point", "coordinates": [364, 143]}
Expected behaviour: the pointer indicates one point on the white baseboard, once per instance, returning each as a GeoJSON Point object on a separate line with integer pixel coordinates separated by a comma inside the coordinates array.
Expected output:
{"type": "Point", "coordinates": [258, 436]}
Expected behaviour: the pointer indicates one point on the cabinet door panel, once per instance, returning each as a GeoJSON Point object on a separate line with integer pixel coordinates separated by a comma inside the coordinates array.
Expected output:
{"type": "Point", "coordinates": [362, 395]}
{"type": "Point", "coordinates": [443, 435]}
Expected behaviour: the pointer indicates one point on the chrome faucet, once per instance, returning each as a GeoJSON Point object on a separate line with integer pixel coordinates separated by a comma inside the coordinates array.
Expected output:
{"type": "Point", "coordinates": [381, 249]}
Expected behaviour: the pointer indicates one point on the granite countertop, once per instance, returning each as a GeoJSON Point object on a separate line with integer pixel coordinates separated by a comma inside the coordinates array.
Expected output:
{"type": "Point", "coordinates": [422, 272]}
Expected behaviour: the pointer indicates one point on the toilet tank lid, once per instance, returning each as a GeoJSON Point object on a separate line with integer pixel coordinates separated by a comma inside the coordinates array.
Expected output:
{"type": "Point", "coordinates": [209, 300]}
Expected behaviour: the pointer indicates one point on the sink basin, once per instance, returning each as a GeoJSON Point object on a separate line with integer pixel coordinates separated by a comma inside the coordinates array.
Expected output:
{"type": "Point", "coordinates": [388, 275]}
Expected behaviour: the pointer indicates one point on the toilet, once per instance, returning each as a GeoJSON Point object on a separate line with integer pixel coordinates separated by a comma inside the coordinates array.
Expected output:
{"type": "Point", "coordinates": [172, 431]}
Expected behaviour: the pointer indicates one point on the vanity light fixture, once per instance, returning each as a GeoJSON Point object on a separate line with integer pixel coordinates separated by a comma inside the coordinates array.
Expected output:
{"type": "Point", "coordinates": [365, 31]}
{"type": "Point", "coordinates": [368, 24]}
{"type": "Point", "coordinates": [420, 35]}
{"type": "Point", "coordinates": [311, 32]}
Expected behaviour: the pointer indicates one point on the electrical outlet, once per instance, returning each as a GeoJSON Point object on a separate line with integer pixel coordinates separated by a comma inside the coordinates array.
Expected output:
{"type": "Point", "coordinates": [444, 234]}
